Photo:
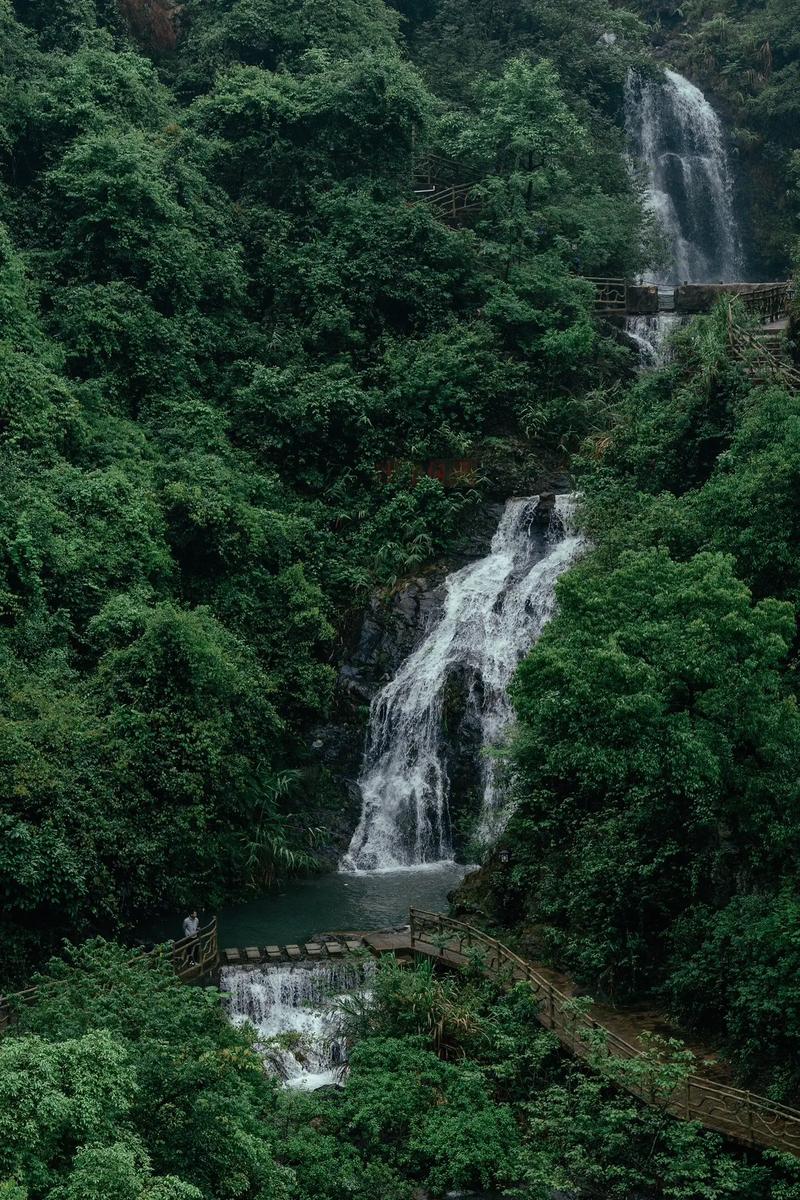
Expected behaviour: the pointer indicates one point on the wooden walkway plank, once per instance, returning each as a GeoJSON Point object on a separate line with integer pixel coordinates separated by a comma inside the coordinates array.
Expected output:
{"type": "Point", "coordinates": [747, 1118]}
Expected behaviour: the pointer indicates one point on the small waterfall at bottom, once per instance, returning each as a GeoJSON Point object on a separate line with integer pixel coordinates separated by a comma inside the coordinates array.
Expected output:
{"type": "Point", "coordinates": [494, 610]}
{"type": "Point", "coordinates": [651, 336]}
{"type": "Point", "coordinates": [296, 1010]}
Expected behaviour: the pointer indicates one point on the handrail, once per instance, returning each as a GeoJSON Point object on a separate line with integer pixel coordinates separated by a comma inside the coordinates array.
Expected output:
{"type": "Point", "coordinates": [748, 348]}
{"type": "Point", "coordinates": [610, 294]}
{"type": "Point", "coordinates": [432, 168]}
{"type": "Point", "coordinates": [748, 1118]}
{"type": "Point", "coordinates": [772, 301]}
{"type": "Point", "coordinates": [453, 200]}
{"type": "Point", "coordinates": [191, 957]}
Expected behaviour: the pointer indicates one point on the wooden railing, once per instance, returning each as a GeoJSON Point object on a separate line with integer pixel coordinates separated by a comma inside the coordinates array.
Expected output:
{"type": "Point", "coordinates": [610, 295]}
{"type": "Point", "coordinates": [430, 171]}
{"type": "Point", "coordinates": [758, 356]}
{"type": "Point", "coordinates": [748, 1118]}
{"type": "Point", "coordinates": [454, 201]}
{"type": "Point", "coordinates": [191, 958]}
{"type": "Point", "coordinates": [771, 303]}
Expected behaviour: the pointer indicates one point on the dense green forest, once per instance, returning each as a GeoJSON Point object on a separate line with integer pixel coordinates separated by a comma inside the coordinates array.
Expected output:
{"type": "Point", "coordinates": [141, 1090]}
{"type": "Point", "coordinates": [222, 308]}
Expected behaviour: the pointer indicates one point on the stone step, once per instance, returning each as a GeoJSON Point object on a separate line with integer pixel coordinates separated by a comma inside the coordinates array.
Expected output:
{"type": "Point", "coordinates": [252, 954]}
{"type": "Point", "coordinates": [294, 952]}
{"type": "Point", "coordinates": [313, 949]}
{"type": "Point", "coordinates": [334, 948]}
{"type": "Point", "coordinates": [231, 955]}
{"type": "Point", "coordinates": [273, 953]}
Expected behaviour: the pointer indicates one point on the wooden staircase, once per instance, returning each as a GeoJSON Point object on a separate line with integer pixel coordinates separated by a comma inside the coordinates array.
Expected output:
{"type": "Point", "coordinates": [764, 352]}
{"type": "Point", "coordinates": [749, 1119]}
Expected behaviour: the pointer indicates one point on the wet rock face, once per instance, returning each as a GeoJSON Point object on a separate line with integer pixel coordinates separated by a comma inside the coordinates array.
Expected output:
{"type": "Point", "coordinates": [395, 623]}
{"type": "Point", "coordinates": [155, 24]}
{"type": "Point", "coordinates": [463, 736]}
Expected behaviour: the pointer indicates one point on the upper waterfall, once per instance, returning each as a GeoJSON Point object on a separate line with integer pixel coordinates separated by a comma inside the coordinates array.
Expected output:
{"type": "Point", "coordinates": [494, 610]}
{"type": "Point", "coordinates": [675, 135]}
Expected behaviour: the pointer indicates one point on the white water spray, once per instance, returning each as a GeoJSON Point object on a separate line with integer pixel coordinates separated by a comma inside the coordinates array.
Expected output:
{"type": "Point", "coordinates": [651, 335]}
{"type": "Point", "coordinates": [494, 610]}
{"type": "Point", "coordinates": [678, 140]}
{"type": "Point", "coordinates": [296, 1012]}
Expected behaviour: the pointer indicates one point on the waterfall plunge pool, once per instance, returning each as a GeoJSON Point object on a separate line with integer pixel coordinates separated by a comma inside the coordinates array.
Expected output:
{"type": "Point", "coordinates": [326, 903]}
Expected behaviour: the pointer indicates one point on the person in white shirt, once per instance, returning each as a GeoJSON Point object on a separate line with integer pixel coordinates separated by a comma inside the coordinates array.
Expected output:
{"type": "Point", "coordinates": [190, 927]}
{"type": "Point", "coordinates": [191, 924]}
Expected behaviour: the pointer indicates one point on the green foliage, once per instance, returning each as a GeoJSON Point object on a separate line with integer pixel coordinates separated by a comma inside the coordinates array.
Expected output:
{"type": "Point", "coordinates": [122, 1082]}
{"type": "Point", "coordinates": [653, 717]}
{"type": "Point", "coordinates": [573, 1129]}
{"type": "Point", "coordinates": [458, 45]}
{"type": "Point", "coordinates": [754, 1006]}
{"type": "Point", "coordinates": [223, 308]}
{"type": "Point", "coordinates": [657, 751]}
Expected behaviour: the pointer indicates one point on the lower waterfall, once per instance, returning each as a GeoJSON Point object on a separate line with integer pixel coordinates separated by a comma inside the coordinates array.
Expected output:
{"type": "Point", "coordinates": [651, 336]}
{"type": "Point", "coordinates": [296, 1012]}
{"type": "Point", "coordinates": [494, 610]}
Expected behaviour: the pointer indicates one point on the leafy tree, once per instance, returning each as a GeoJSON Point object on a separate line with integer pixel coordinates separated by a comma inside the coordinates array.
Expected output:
{"type": "Point", "coordinates": [109, 1053]}
{"type": "Point", "coordinates": [657, 743]}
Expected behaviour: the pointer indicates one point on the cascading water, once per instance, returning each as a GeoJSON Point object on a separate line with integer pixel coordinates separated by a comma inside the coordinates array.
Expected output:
{"type": "Point", "coordinates": [676, 136]}
{"type": "Point", "coordinates": [297, 1013]}
{"type": "Point", "coordinates": [494, 610]}
{"type": "Point", "coordinates": [651, 336]}
{"type": "Point", "coordinates": [678, 142]}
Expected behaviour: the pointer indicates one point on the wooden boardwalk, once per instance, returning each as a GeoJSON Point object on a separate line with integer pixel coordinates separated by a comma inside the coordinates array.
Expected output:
{"type": "Point", "coordinates": [744, 1116]}
{"type": "Point", "coordinates": [611, 1034]}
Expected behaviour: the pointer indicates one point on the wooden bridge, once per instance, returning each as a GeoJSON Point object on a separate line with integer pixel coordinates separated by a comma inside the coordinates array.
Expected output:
{"type": "Point", "coordinates": [744, 1116]}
